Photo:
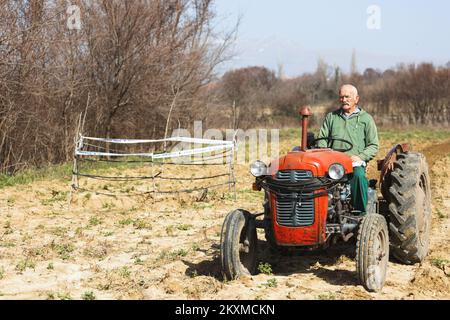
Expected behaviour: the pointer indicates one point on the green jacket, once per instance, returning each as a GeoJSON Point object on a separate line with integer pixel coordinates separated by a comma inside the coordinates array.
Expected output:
{"type": "Point", "coordinates": [359, 129]}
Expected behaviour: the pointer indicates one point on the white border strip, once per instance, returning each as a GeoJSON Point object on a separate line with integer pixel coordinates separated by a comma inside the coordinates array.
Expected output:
{"type": "Point", "coordinates": [175, 139]}
{"type": "Point", "coordinates": [190, 152]}
{"type": "Point", "coordinates": [183, 153]}
{"type": "Point", "coordinates": [109, 154]}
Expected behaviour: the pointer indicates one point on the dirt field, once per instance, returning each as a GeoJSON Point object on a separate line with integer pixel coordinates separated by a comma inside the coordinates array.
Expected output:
{"type": "Point", "coordinates": [168, 248]}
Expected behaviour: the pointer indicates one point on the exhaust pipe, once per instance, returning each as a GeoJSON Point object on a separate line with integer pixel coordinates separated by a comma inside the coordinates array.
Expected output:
{"type": "Point", "coordinates": [305, 112]}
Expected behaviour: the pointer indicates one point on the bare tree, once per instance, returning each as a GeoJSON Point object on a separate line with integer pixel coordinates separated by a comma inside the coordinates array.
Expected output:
{"type": "Point", "coordinates": [130, 59]}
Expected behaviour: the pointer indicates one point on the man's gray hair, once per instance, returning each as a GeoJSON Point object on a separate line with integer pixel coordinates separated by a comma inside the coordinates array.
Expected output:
{"type": "Point", "coordinates": [351, 87]}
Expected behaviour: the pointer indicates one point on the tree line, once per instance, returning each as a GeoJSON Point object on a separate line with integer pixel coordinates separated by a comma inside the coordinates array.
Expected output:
{"type": "Point", "coordinates": [141, 68]}
{"type": "Point", "coordinates": [134, 67]}
{"type": "Point", "coordinates": [415, 94]}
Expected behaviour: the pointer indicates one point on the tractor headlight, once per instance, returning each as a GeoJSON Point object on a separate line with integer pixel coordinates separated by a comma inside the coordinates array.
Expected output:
{"type": "Point", "coordinates": [258, 168]}
{"type": "Point", "coordinates": [336, 171]}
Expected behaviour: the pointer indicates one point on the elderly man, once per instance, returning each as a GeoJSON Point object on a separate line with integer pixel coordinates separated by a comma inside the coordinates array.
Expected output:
{"type": "Point", "coordinates": [353, 124]}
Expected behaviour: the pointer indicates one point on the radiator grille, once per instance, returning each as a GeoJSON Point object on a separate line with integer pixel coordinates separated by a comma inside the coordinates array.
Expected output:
{"type": "Point", "coordinates": [291, 213]}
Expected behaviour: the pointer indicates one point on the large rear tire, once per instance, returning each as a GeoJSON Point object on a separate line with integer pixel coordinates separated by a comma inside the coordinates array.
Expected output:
{"type": "Point", "coordinates": [409, 213]}
{"type": "Point", "coordinates": [238, 245]}
{"type": "Point", "coordinates": [372, 252]}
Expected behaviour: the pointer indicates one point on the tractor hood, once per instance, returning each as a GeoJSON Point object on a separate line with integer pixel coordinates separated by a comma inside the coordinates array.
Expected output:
{"type": "Point", "coordinates": [316, 160]}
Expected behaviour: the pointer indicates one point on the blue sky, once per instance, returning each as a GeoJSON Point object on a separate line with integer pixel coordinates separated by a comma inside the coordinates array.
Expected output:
{"type": "Point", "coordinates": [296, 33]}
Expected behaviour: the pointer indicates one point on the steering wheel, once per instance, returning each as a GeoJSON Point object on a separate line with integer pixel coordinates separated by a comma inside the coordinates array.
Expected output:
{"type": "Point", "coordinates": [330, 142]}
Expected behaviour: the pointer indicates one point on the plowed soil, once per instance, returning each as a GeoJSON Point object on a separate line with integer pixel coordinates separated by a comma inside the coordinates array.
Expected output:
{"type": "Point", "coordinates": [138, 247]}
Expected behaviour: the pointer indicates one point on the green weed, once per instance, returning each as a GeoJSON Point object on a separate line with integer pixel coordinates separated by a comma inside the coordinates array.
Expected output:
{"type": "Point", "coordinates": [79, 231]}
{"type": "Point", "coordinates": [94, 221]}
{"type": "Point", "coordinates": [57, 196]}
{"type": "Point", "coordinates": [59, 172]}
{"type": "Point", "coordinates": [416, 133]}
{"type": "Point", "coordinates": [173, 255]}
{"type": "Point", "coordinates": [124, 272]}
{"type": "Point", "coordinates": [88, 295]}
{"type": "Point", "coordinates": [440, 214]}
{"type": "Point", "coordinates": [141, 224]}
{"type": "Point", "coordinates": [170, 230]}
{"type": "Point", "coordinates": [63, 250]}
{"type": "Point", "coordinates": [125, 222]}
{"type": "Point", "coordinates": [440, 263]}
{"type": "Point", "coordinates": [178, 253]}
{"type": "Point", "coordinates": [64, 296]}
{"type": "Point", "coordinates": [51, 296]}
{"type": "Point", "coordinates": [184, 227]}
{"type": "Point", "coordinates": [271, 283]}
{"type": "Point", "coordinates": [198, 206]}
{"type": "Point", "coordinates": [58, 231]}
{"type": "Point", "coordinates": [108, 205]}
{"type": "Point", "coordinates": [193, 274]}
{"type": "Point", "coordinates": [7, 244]}
{"type": "Point", "coordinates": [26, 237]}
{"type": "Point", "coordinates": [22, 265]}
{"type": "Point", "coordinates": [265, 267]}
{"type": "Point", "coordinates": [327, 296]}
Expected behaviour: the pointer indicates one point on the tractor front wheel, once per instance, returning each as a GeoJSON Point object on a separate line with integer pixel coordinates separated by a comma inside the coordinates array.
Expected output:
{"type": "Point", "coordinates": [238, 244]}
{"type": "Point", "coordinates": [372, 252]}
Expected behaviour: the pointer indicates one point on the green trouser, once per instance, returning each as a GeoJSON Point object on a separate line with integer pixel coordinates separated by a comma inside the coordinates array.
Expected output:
{"type": "Point", "coordinates": [359, 187]}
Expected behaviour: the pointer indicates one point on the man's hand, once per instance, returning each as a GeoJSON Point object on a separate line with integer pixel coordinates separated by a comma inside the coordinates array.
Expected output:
{"type": "Point", "coordinates": [356, 158]}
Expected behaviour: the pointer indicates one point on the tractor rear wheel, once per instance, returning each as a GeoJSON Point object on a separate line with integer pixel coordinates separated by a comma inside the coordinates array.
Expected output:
{"type": "Point", "coordinates": [238, 244]}
{"type": "Point", "coordinates": [409, 213]}
{"type": "Point", "coordinates": [372, 252]}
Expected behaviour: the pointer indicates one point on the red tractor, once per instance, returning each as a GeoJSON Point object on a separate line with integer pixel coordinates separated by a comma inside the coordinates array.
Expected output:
{"type": "Point", "coordinates": [307, 204]}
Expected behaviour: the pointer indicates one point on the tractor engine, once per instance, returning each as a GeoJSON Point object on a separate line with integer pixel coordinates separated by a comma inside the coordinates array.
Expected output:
{"type": "Point", "coordinates": [306, 196]}
{"type": "Point", "coordinates": [338, 202]}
